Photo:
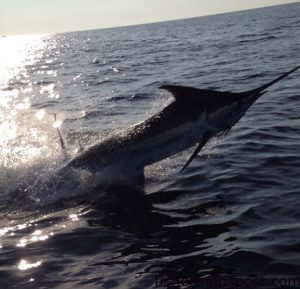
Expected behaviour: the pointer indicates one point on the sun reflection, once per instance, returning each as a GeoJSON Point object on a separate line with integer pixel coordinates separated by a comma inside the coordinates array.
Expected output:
{"type": "Point", "coordinates": [37, 236]}
{"type": "Point", "coordinates": [25, 265]}
{"type": "Point", "coordinates": [20, 141]}
{"type": "Point", "coordinates": [14, 51]}
{"type": "Point", "coordinates": [74, 217]}
{"type": "Point", "coordinates": [26, 90]}
{"type": "Point", "coordinates": [5, 230]}
{"type": "Point", "coordinates": [8, 131]}
{"type": "Point", "coordinates": [57, 123]}
{"type": "Point", "coordinates": [25, 104]}
{"type": "Point", "coordinates": [47, 88]}
{"type": "Point", "coordinates": [40, 114]}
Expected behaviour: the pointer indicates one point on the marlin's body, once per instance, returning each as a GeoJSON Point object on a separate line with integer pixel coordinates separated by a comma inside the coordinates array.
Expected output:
{"type": "Point", "coordinates": [172, 130]}
{"type": "Point", "coordinates": [194, 117]}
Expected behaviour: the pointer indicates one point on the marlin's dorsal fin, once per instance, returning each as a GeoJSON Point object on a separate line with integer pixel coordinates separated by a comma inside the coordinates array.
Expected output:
{"type": "Point", "coordinates": [192, 94]}
{"type": "Point", "coordinates": [188, 94]}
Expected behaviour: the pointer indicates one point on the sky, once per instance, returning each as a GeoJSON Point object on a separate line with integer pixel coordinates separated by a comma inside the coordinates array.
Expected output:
{"type": "Point", "coordinates": [50, 16]}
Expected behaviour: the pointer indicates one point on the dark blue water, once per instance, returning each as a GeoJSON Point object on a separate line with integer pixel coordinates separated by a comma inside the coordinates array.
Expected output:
{"type": "Point", "coordinates": [233, 215]}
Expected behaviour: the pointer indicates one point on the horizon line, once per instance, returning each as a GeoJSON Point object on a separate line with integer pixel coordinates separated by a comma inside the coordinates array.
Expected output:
{"type": "Point", "coordinates": [147, 23]}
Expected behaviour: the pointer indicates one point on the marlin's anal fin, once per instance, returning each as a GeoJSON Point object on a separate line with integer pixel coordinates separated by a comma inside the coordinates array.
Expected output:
{"type": "Point", "coordinates": [204, 140]}
{"type": "Point", "coordinates": [227, 131]}
{"type": "Point", "coordinates": [224, 132]}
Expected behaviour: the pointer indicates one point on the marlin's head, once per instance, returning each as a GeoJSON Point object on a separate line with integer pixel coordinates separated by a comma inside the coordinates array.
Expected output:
{"type": "Point", "coordinates": [230, 109]}
{"type": "Point", "coordinates": [216, 110]}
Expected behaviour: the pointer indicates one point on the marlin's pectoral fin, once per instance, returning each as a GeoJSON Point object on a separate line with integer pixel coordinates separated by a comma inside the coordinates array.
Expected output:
{"type": "Point", "coordinates": [204, 140]}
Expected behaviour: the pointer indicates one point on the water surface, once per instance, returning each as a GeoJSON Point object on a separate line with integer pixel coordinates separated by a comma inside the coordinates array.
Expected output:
{"type": "Point", "coordinates": [234, 213]}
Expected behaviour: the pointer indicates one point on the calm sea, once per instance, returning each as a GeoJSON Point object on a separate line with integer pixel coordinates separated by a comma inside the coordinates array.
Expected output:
{"type": "Point", "coordinates": [233, 216]}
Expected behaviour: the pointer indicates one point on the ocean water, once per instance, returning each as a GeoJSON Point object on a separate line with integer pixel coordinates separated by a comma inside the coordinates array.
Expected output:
{"type": "Point", "coordinates": [231, 220]}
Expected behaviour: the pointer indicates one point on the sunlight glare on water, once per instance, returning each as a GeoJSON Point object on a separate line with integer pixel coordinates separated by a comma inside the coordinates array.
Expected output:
{"type": "Point", "coordinates": [23, 129]}
{"type": "Point", "coordinates": [15, 52]}
{"type": "Point", "coordinates": [24, 265]}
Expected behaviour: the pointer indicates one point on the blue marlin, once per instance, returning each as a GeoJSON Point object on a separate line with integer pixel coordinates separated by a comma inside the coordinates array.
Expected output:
{"type": "Point", "coordinates": [195, 116]}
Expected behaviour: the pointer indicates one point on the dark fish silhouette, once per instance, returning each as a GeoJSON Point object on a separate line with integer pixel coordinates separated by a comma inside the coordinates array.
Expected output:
{"type": "Point", "coordinates": [194, 117]}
